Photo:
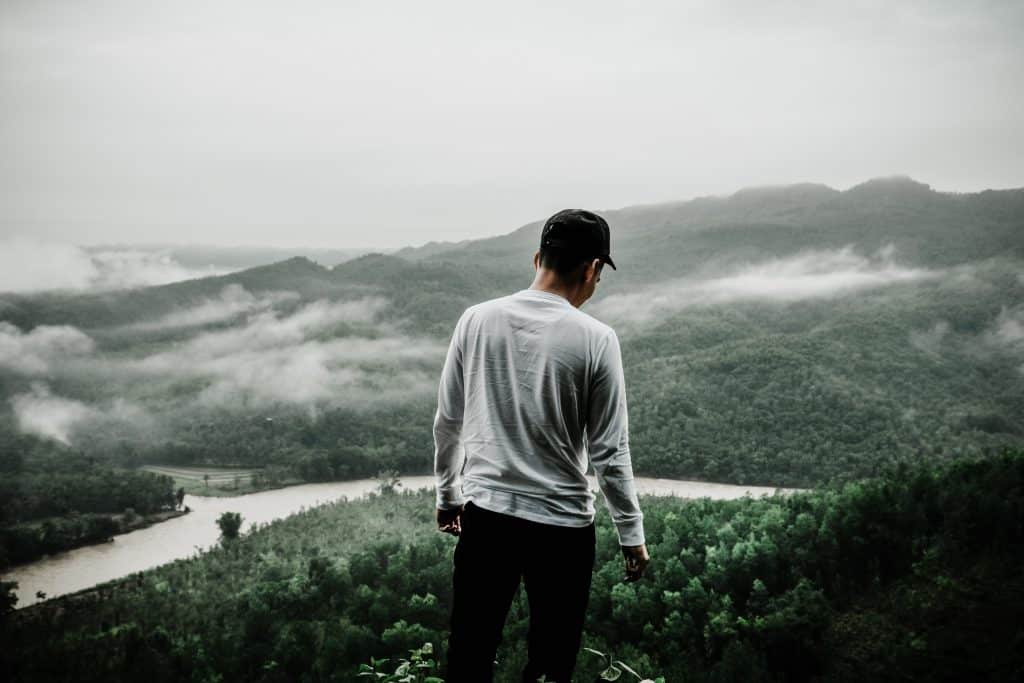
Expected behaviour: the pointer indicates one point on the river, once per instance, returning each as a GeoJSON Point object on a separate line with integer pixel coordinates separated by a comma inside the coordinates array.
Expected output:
{"type": "Point", "coordinates": [190, 534]}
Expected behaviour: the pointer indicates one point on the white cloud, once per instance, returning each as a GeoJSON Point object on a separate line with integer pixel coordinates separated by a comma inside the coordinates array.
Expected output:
{"type": "Point", "coordinates": [124, 268]}
{"type": "Point", "coordinates": [35, 352]}
{"type": "Point", "coordinates": [42, 413]}
{"type": "Point", "coordinates": [313, 371]}
{"type": "Point", "coordinates": [930, 340]}
{"type": "Point", "coordinates": [321, 354]}
{"type": "Point", "coordinates": [296, 359]}
{"type": "Point", "coordinates": [333, 353]}
{"type": "Point", "coordinates": [29, 265]}
{"type": "Point", "coordinates": [233, 300]}
{"type": "Point", "coordinates": [1008, 329]}
{"type": "Point", "coordinates": [808, 275]}
{"type": "Point", "coordinates": [268, 330]}
{"type": "Point", "coordinates": [1004, 336]}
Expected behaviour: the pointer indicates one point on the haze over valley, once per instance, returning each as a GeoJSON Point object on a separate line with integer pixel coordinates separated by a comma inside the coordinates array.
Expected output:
{"type": "Point", "coordinates": [777, 336]}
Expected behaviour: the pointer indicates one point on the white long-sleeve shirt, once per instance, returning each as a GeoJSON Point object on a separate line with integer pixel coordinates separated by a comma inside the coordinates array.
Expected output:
{"type": "Point", "coordinates": [531, 387]}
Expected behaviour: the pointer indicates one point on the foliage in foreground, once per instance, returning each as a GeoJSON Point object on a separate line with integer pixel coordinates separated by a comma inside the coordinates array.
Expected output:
{"type": "Point", "coordinates": [912, 575]}
{"type": "Point", "coordinates": [420, 667]}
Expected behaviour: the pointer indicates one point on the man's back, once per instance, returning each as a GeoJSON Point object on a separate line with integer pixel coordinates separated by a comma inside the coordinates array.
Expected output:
{"type": "Point", "coordinates": [531, 385]}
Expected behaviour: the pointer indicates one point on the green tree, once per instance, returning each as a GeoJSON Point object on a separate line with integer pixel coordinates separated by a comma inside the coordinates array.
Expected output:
{"type": "Point", "coordinates": [8, 598]}
{"type": "Point", "coordinates": [229, 523]}
{"type": "Point", "coordinates": [388, 482]}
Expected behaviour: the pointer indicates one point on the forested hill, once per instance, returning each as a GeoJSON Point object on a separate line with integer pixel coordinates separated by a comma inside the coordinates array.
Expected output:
{"type": "Point", "coordinates": [781, 335]}
{"type": "Point", "coordinates": [652, 242]}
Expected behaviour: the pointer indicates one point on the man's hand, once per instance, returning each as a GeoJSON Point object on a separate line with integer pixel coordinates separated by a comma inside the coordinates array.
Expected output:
{"type": "Point", "coordinates": [637, 560]}
{"type": "Point", "coordinates": [450, 521]}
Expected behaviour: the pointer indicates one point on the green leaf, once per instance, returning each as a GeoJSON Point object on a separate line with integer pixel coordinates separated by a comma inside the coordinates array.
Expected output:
{"type": "Point", "coordinates": [610, 674]}
{"type": "Point", "coordinates": [623, 665]}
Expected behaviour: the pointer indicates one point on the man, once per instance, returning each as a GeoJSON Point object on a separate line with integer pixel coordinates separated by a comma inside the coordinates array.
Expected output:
{"type": "Point", "coordinates": [531, 387]}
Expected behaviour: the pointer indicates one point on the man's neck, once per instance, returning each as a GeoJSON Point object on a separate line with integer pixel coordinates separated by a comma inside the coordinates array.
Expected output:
{"type": "Point", "coordinates": [556, 292]}
{"type": "Point", "coordinates": [554, 287]}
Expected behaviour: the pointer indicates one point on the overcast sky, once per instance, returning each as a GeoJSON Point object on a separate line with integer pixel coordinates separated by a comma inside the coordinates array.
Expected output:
{"type": "Point", "coordinates": [353, 124]}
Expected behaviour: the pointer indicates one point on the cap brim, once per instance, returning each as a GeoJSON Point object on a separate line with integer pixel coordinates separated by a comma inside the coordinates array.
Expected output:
{"type": "Point", "coordinates": [608, 260]}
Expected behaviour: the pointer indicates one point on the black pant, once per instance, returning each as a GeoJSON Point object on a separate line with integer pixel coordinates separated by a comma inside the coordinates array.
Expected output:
{"type": "Point", "coordinates": [494, 551]}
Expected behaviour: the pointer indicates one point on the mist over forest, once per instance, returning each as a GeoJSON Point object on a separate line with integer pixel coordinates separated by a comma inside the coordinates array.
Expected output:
{"type": "Point", "coordinates": [29, 264]}
{"type": "Point", "coordinates": [782, 336]}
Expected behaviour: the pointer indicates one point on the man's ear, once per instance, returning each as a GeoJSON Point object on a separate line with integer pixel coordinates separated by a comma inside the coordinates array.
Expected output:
{"type": "Point", "coordinates": [584, 272]}
{"type": "Point", "coordinates": [536, 260]}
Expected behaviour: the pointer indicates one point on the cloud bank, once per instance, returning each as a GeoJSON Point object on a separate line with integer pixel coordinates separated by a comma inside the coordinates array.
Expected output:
{"type": "Point", "coordinates": [37, 351]}
{"type": "Point", "coordinates": [234, 300]}
{"type": "Point", "coordinates": [298, 358]}
{"type": "Point", "coordinates": [42, 413]}
{"type": "Point", "coordinates": [312, 356]}
{"type": "Point", "coordinates": [808, 275]}
{"type": "Point", "coordinates": [30, 265]}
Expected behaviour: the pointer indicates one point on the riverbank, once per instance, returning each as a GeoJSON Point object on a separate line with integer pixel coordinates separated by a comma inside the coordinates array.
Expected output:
{"type": "Point", "coordinates": [180, 538]}
{"type": "Point", "coordinates": [399, 517]}
{"type": "Point", "coordinates": [233, 483]}
{"type": "Point", "coordinates": [222, 481]}
{"type": "Point", "coordinates": [83, 600]}
{"type": "Point", "coordinates": [71, 533]}
{"type": "Point", "coordinates": [41, 538]}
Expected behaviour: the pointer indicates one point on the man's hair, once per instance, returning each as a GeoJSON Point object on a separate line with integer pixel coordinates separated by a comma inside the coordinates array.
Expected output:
{"type": "Point", "coordinates": [562, 261]}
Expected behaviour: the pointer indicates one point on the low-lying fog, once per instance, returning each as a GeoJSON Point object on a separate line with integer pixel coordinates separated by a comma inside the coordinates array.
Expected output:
{"type": "Point", "coordinates": [244, 351]}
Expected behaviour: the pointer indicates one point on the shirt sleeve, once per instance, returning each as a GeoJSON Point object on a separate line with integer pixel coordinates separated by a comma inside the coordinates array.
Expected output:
{"type": "Point", "coordinates": [449, 454]}
{"type": "Point", "coordinates": [608, 442]}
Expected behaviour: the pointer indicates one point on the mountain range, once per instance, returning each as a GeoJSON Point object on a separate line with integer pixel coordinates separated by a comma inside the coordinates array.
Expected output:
{"type": "Point", "coordinates": [780, 335]}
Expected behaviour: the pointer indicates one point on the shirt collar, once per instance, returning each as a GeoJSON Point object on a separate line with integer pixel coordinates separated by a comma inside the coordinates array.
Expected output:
{"type": "Point", "coordinates": [545, 295]}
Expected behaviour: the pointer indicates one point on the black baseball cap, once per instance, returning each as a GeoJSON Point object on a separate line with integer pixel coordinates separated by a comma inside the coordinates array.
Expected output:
{"type": "Point", "coordinates": [580, 231]}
